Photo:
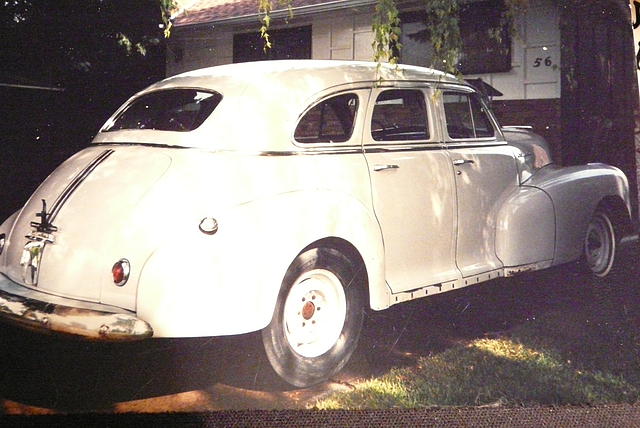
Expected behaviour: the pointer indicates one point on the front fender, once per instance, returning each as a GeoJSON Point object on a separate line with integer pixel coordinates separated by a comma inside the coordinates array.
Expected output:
{"type": "Point", "coordinates": [576, 192]}
{"type": "Point", "coordinates": [525, 228]}
{"type": "Point", "coordinates": [227, 283]}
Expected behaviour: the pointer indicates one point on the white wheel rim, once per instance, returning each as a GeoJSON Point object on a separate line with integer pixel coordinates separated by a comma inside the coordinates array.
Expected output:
{"type": "Point", "coordinates": [598, 246]}
{"type": "Point", "coordinates": [314, 313]}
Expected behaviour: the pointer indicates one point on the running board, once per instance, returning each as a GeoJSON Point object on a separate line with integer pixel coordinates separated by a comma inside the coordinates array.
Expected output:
{"type": "Point", "coordinates": [430, 290]}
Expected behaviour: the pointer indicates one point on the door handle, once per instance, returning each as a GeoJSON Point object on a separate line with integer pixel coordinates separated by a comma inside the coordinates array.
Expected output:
{"type": "Point", "coordinates": [462, 161]}
{"type": "Point", "coordinates": [383, 167]}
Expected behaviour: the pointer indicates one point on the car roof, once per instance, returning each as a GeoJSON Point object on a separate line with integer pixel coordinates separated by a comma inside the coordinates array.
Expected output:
{"type": "Point", "coordinates": [266, 98]}
{"type": "Point", "coordinates": [326, 73]}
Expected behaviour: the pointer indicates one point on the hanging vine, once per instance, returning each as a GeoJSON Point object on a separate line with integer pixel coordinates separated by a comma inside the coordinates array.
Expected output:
{"type": "Point", "coordinates": [167, 9]}
{"type": "Point", "coordinates": [386, 30]}
{"type": "Point", "coordinates": [265, 7]}
{"type": "Point", "coordinates": [443, 27]}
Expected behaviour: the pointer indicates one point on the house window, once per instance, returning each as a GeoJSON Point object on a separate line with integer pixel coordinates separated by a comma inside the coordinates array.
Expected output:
{"type": "Point", "coordinates": [287, 43]}
{"type": "Point", "coordinates": [481, 53]}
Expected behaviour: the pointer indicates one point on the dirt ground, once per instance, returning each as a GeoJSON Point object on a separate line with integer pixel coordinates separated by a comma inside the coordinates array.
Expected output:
{"type": "Point", "coordinates": [48, 374]}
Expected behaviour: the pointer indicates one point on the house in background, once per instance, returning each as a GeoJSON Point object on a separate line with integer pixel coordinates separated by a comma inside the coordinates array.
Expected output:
{"type": "Point", "coordinates": [569, 71]}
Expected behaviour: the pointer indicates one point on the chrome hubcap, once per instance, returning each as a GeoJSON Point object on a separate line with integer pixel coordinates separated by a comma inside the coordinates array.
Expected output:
{"type": "Point", "coordinates": [314, 313]}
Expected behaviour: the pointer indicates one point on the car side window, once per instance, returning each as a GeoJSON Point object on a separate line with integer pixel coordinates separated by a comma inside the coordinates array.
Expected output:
{"type": "Point", "coordinates": [400, 115]}
{"type": "Point", "coordinates": [330, 121]}
{"type": "Point", "coordinates": [481, 122]}
{"type": "Point", "coordinates": [466, 116]}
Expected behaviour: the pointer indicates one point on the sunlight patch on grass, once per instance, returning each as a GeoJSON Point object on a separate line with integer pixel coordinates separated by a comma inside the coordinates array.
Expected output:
{"type": "Point", "coordinates": [487, 371]}
{"type": "Point", "coordinates": [383, 393]}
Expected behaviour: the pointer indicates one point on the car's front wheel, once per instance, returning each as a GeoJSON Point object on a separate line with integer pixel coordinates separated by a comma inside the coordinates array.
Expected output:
{"type": "Point", "coordinates": [317, 318]}
{"type": "Point", "coordinates": [600, 244]}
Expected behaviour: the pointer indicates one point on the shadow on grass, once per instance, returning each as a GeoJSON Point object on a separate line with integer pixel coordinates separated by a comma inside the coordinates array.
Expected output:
{"type": "Point", "coordinates": [73, 375]}
{"type": "Point", "coordinates": [554, 338]}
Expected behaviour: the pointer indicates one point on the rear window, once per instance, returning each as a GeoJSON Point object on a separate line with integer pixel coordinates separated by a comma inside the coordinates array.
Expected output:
{"type": "Point", "coordinates": [179, 110]}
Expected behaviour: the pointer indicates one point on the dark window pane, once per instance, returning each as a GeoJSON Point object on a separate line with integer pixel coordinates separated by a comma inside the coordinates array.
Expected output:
{"type": "Point", "coordinates": [458, 115]}
{"type": "Point", "coordinates": [287, 43]}
{"type": "Point", "coordinates": [481, 121]}
{"type": "Point", "coordinates": [330, 121]}
{"type": "Point", "coordinates": [400, 115]}
{"type": "Point", "coordinates": [168, 110]}
{"type": "Point", "coordinates": [482, 52]}
{"type": "Point", "coordinates": [480, 23]}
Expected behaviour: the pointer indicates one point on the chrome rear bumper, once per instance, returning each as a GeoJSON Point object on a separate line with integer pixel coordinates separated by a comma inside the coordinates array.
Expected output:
{"type": "Point", "coordinates": [41, 311]}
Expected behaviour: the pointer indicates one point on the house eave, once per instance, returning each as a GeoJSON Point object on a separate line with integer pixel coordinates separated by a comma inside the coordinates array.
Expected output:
{"type": "Point", "coordinates": [283, 13]}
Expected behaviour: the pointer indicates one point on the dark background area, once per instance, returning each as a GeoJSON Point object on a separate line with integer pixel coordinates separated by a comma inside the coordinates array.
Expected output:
{"type": "Point", "coordinates": [63, 71]}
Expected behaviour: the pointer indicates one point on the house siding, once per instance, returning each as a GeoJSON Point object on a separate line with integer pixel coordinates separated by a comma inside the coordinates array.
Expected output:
{"type": "Point", "coordinates": [347, 35]}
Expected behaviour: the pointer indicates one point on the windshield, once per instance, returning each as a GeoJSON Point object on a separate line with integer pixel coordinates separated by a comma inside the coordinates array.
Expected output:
{"type": "Point", "coordinates": [179, 110]}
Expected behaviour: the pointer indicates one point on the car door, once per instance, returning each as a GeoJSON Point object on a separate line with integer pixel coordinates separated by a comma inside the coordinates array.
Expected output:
{"type": "Point", "coordinates": [412, 188]}
{"type": "Point", "coordinates": [485, 173]}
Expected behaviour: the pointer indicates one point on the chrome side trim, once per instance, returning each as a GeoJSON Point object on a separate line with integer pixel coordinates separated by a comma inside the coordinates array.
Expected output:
{"type": "Point", "coordinates": [515, 270]}
{"type": "Point", "coordinates": [467, 281]}
{"type": "Point", "coordinates": [432, 289]}
{"type": "Point", "coordinates": [312, 152]}
{"type": "Point", "coordinates": [162, 146]}
{"type": "Point", "coordinates": [24, 307]}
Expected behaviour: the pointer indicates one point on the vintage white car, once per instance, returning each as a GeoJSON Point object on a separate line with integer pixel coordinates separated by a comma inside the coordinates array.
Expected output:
{"type": "Point", "coordinates": [289, 197]}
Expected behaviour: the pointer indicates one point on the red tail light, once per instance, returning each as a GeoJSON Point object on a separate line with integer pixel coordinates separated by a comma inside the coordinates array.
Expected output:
{"type": "Point", "coordinates": [120, 272]}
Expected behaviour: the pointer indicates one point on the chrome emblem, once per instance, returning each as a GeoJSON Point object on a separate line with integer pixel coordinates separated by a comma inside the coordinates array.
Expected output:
{"type": "Point", "coordinates": [33, 249]}
{"type": "Point", "coordinates": [30, 261]}
{"type": "Point", "coordinates": [45, 225]}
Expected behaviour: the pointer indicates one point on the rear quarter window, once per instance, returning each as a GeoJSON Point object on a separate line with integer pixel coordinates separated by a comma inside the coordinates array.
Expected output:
{"type": "Point", "coordinates": [329, 121]}
{"type": "Point", "coordinates": [180, 110]}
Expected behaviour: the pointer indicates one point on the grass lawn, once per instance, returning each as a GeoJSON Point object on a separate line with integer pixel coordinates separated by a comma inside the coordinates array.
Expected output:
{"type": "Point", "coordinates": [566, 357]}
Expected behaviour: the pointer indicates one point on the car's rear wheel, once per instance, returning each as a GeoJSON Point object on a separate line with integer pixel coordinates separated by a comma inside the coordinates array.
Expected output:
{"type": "Point", "coordinates": [317, 318]}
{"type": "Point", "coordinates": [600, 244]}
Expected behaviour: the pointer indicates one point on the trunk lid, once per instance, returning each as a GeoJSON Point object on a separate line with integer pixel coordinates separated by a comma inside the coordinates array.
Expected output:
{"type": "Point", "coordinates": [68, 246]}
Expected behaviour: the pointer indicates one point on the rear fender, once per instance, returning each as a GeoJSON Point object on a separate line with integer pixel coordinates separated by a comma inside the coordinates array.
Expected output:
{"type": "Point", "coordinates": [228, 283]}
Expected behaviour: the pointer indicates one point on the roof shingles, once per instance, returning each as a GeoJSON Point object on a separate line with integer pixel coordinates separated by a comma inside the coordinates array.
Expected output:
{"type": "Point", "coordinates": [203, 11]}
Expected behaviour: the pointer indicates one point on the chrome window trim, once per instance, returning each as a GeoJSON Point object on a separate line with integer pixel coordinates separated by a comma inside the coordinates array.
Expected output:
{"type": "Point", "coordinates": [474, 144]}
